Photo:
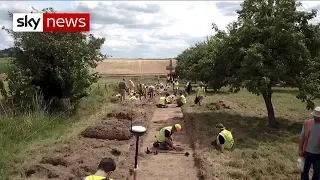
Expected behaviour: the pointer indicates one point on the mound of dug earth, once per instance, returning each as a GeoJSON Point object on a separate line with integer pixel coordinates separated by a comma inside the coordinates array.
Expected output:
{"type": "Point", "coordinates": [120, 115]}
{"type": "Point", "coordinates": [55, 161]}
{"type": "Point", "coordinates": [49, 171]}
{"type": "Point", "coordinates": [102, 131]}
{"type": "Point", "coordinates": [222, 104]}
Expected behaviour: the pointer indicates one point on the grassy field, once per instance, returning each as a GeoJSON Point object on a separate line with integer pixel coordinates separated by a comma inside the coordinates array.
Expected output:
{"type": "Point", "coordinates": [18, 132]}
{"type": "Point", "coordinates": [260, 152]}
{"type": "Point", "coordinates": [3, 67]}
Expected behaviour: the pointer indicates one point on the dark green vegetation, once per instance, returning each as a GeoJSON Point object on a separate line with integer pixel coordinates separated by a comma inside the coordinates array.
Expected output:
{"type": "Point", "coordinates": [50, 85]}
{"type": "Point", "coordinates": [270, 44]}
{"type": "Point", "coordinates": [19, 131]}
{"type": "Point", "coordinates": [55, 65]}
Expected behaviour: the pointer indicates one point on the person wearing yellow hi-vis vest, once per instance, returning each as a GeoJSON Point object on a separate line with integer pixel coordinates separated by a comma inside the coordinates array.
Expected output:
{"type": "Point", "coordinates": [181, 100]}
{"type": "Point", "coordinates": [105, 169]}
{"type": "Point", "coordinates": [163, 101]}
{"type": "Point", "coordinates": [169, 98]}
{"type": "Point", "coordinates": [175, 87]}
{"type": "Point", "coordinates": [132, 96]}
{"type": "Point", "coordinates": [201, 92]}
{"type": "Point", "coordinates": [224, 139]}
{"type": "Point", "coordinates": [164, 139]}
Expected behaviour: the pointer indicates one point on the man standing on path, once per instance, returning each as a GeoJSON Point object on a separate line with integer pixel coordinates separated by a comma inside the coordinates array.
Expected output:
{"type": "Point", "coordinates": [131, 86]}
{"type": "Point", "coordinates": [140, 90]}
{"type": "Point", "coordinates": [163, 137]}
{"type": "Point", "coordinates": [175, 87]}
{"type": "Point", "coordinates": [168, 78]}
{"type": "Point", "coordinates": [123, 88]}
{"type": "Point", "coordinates": [188, 87]}
{"type": "Point", "coordinates": [309, 146]}
{"type": "Point", "coordinates": [151, 90]}
{"type": "Point", "coordinates": [224, 139]}
{"type": "Point", "coordinates": [201, 91]}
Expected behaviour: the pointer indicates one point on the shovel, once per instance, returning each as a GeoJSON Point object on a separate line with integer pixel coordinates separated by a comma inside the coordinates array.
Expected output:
{"type": "Point", "coordinates": [170, 152]}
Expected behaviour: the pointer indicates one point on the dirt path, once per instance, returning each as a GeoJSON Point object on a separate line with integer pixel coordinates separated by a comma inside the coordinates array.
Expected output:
{"type": "Point", "coordinates": [167, 166]}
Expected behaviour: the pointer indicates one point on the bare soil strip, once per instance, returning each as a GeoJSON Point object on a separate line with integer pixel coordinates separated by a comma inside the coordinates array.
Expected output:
{"type": "Point", "coordinates": [79, 156]}
{"type": "Point", "coordinates": [165, 166]}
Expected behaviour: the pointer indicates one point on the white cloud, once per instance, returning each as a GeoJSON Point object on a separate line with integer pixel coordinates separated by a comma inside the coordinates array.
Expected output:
{"type": "Point", "coordinates": [146, 29]}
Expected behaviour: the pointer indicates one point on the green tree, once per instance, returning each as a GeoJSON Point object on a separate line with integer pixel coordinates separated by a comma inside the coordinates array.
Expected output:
{"type": "Point", "coordinates": [272, 42]}
{"type": "Point", "coordinates": [198, 63]}
{"type": "Point", "coordinates": [57, 65]}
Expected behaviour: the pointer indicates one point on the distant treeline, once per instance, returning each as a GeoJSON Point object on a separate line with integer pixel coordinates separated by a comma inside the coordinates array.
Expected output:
{"type": "Point", "coordinates": [8, 52]}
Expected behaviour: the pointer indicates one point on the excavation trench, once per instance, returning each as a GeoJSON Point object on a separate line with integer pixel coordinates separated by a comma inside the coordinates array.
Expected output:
{"type": "Point", "coordinates": [169, 166]}
{"type": "Point", "coordinates": [79, 156]}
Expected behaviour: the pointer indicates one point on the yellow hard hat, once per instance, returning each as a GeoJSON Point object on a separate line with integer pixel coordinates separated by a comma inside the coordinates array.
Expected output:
{"type": "Point", "coordinates": [177, 127]}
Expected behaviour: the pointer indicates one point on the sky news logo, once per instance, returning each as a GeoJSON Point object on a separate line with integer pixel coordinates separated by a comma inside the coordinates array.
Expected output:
{"type": "Point", "coordinates": [51, 22]}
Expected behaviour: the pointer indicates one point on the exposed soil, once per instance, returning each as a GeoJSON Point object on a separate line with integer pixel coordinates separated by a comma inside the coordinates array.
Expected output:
{"type": "Point", "coordinates": [169, 165]}
{"type": "Point", "coordinates": [120, 115]}
{"type": "Point", "coordinates": [80, 156]}
{"type": "Point", "coordinates": [101, 131]}
{"type": "Point", "coordinates": [222, 104]}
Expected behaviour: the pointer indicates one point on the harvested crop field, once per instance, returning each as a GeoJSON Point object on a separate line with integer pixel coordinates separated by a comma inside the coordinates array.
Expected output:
{"type": "Point", "coordinates": [116, 67]}
{"type": "Point", "coordinates": [79, 156]}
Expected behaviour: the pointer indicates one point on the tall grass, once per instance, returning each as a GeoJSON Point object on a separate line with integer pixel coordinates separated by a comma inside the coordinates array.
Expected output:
{"type": "Point", "coordinates": [3, 65]}
{"type": "Point", "coordinates": [20, 130]}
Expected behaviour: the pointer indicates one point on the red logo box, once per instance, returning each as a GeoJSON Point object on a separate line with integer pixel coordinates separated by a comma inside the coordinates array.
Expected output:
{"type": "Point", "coordinates": [66, 22]}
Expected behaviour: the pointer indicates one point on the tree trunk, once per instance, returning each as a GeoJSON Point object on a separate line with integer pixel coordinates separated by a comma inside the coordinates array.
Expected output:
{"type": "Point", "coordinates": [267, 95]}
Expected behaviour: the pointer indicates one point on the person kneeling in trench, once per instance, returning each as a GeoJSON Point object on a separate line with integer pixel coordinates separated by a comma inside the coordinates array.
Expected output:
{"type": "Point", "coordinates": [169, 98]}
{"type": "Point", "coordinates": [163, 137]}
{"type": "Point", "coordinates": [163, 102]}
{"type": "Point", "coordinates": [224, 139]}
{"type": "Point", "coordinates": [181, 100]}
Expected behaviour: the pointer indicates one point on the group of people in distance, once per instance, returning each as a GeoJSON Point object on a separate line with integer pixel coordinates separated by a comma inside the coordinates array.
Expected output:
{"type": "Point", "coordinates": [141, 90]}
{"type": "Point", "coordinates": [163, 138]}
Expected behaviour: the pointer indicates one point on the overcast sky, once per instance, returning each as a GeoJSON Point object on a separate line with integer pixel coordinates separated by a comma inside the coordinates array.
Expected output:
{"type": "Point", "coordinates": [145, 29]}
